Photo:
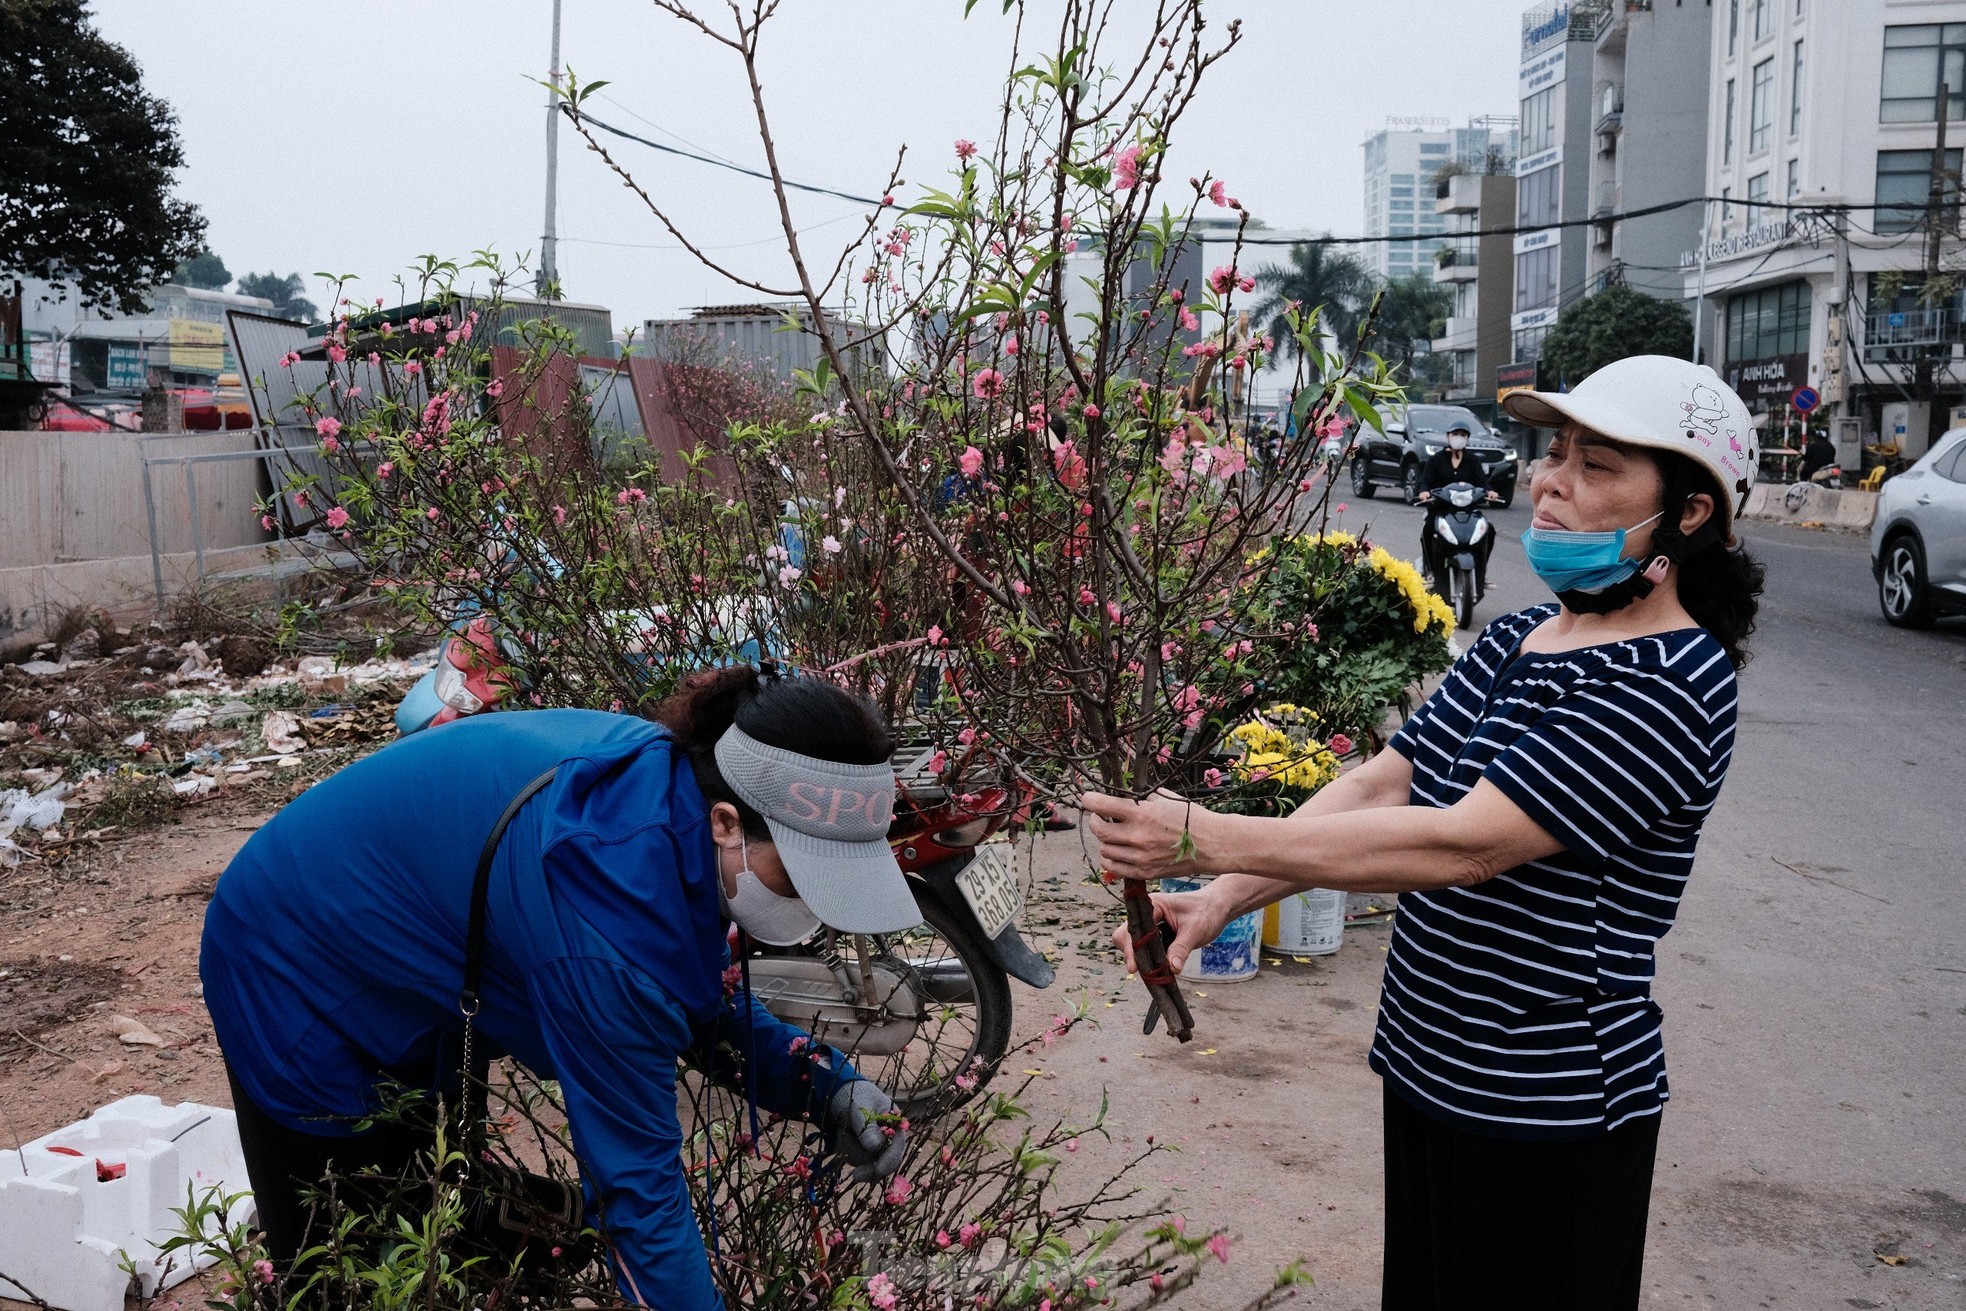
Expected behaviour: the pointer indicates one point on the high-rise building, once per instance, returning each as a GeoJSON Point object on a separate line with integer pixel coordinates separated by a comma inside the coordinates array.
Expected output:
{"type": "Point", "coordinates": [1649, 117]}
{"type": "Point", "coordinates": [1403, 165]}
{"type": "Point", "coordinates": [1553, 156]}
{"type": "Point", "coordinates": [1479, 272]}
{"type": "Point", "coordinates": [1835, 102]}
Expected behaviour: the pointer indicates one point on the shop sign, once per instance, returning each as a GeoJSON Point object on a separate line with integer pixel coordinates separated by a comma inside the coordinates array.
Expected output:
{"type": "Point", "coordinates": [197, 347]}
{"type": "Point", "coordinates": [1523, 320]}
{"type": "Point", "coordinates": [1528, 241]}
{"type": "Point", "coordinates": [125, 370]}
{"type": "Point", "coordinates": [1542, 30]}
{"type": "Point", "coordinates": [1768, 384]}
{"type": "Point", "coordinates": [1518, 375]}
{"type": "Point", "coordinates": [1753, 239]}
{"type": "Point", "coordinates": [1540, 73]}
{"type": "Point", "coordinates": [1542, 159]}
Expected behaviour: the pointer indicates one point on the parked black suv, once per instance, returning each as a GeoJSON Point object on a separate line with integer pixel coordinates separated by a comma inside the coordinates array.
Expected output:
{"type": "Point", "coordinates": [1394, 457]}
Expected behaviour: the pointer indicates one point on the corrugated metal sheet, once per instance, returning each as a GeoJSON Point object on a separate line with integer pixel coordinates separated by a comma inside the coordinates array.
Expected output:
{"type": "Point", "coordinates": [591, 325]}
{"type": "Point", "coordinates": [260, 341]}
{"type": "Point", "coordinates": [619, 434]}
{"type": "Point", "coordinates": [757, 334]}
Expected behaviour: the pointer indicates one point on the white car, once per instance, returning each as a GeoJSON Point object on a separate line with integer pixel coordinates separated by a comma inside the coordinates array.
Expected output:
{"type": "Point", "coordinates": [1918, 540]}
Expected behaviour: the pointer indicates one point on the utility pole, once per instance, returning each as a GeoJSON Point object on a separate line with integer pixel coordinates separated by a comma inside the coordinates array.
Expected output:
{"type": "Point", "coordinates": [1700, 301]}
{"type": "Point", "coordinates": [548, 282]}
{"type": "Point", "coordinates": [1926, 381]}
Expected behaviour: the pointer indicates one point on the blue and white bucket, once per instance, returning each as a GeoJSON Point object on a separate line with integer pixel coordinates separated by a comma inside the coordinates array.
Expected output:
{"type": "Point", "coordinates": [1235, 954]}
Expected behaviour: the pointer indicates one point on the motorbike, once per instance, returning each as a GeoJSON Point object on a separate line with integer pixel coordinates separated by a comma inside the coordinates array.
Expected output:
{"type": "Point", "coordinates": [1459, 547]}
{"type": "Point", "coordinates": [926, 1012]}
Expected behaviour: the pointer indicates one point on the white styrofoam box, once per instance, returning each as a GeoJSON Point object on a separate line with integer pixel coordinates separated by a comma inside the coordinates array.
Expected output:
{"type": "Point", "coordinates": [64, 1232]}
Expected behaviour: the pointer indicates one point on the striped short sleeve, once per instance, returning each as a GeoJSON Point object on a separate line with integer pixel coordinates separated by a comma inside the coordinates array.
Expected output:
{"type": "Point", "coordinates": [1614, 760]}
{"type": "Point", "coordinates": [1521, 1006]}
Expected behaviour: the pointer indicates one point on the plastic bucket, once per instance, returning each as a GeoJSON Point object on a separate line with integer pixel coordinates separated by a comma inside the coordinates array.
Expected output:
{"type": "Point", "coordinates": [1309, 923]}
{"type": "Point", "coordinates": [1234, 955]}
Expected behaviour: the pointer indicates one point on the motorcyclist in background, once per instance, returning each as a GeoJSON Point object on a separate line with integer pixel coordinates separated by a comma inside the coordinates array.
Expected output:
{"type": "Point", "coordinates": [1446, 466]}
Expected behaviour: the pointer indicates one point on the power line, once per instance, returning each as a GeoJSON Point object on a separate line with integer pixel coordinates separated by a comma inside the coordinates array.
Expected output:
{"type": "Point", "coordinates": [1519, 229]}
{"type": "Point", "coordinates": [719, 163]}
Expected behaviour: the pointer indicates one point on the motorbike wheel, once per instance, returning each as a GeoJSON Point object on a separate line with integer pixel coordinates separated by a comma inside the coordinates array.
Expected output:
{"type": "Point", "coordinates": [1362, 486]}
{"type": "Point", "coordinates": [1461, 589]}
{"type": "Point", "coordinates": [959, 1045]}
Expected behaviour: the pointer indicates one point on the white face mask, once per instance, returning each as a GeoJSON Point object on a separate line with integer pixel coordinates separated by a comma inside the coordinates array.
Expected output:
{"type": "Point", "coordinates": [762, 913]}
{"type": "Point", "coordinates": [1457, 441]}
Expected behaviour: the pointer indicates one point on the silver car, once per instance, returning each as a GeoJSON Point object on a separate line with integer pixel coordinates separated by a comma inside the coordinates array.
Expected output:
{"type": "Point", "coordinates": [1918, 540]}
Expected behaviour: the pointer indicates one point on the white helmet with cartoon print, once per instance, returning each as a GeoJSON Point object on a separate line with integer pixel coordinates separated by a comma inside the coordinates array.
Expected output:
{"type": "Point", "coordinates": [1663, 402]}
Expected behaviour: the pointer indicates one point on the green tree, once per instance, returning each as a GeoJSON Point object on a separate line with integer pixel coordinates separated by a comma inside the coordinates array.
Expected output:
{"type": "Point", "coordinates": [1611, 325]}
{"type": "Point", "coordinates": [1412, 313]}
{"type": "Point", "coordinates": [86, 161]}
{"type": "Point", "coordinates": [1315, 275]}
{"type": "Point", "coordinates": [203, 270]}
{"type": "Point", "coordinates": [285, 291]}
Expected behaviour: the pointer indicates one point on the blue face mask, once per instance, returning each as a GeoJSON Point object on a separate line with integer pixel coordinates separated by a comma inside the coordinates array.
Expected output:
{"type": "Point", "coordinates": [1580, 562]}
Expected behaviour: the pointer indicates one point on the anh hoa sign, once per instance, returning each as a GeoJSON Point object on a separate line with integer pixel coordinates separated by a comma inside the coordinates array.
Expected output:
{"type": "Point", "coordinates": [1397, 123]}
{"type": "Point", "coordinates": [1767, 234]}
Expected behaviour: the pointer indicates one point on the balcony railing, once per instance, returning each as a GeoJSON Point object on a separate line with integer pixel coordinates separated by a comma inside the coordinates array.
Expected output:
{"type": "Point", "coordinates": [1889, 331]}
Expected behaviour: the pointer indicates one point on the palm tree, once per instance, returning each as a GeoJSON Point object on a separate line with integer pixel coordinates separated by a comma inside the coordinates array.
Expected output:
{"type": "Point", "coordinates": [1315, 275]}
{"type": "Point", "coordinates": [1412, 313]}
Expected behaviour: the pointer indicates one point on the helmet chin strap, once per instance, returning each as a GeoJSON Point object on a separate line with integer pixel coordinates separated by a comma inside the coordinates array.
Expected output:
{"type": "Point", "coordinates": [1669, 547]}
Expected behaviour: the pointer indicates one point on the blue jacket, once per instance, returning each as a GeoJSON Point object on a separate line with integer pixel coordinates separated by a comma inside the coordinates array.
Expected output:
{"type": "Point", "coordinates": [334, 951]}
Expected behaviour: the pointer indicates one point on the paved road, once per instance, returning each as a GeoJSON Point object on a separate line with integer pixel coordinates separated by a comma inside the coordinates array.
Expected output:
{"type": "Point", "coordinates": [1815, 993]}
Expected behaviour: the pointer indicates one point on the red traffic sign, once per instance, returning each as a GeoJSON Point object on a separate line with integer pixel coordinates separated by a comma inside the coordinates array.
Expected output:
{"type": "Point", "coordinates": [1805, 399]}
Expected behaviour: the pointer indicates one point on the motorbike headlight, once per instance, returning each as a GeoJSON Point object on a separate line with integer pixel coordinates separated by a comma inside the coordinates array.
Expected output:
{"type": "Point", "coordinates": [1440, 526]}
{"type": "Point", "coordinates": [1480, 530]}
{"type": "Point", "coordinates": [964, 835]}
{"type": "Point", "coordinates": [452, 692]}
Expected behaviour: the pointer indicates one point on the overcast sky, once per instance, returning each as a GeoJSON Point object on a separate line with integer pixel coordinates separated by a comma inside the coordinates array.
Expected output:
{"type": "Point", "coordinates": [356, 136]}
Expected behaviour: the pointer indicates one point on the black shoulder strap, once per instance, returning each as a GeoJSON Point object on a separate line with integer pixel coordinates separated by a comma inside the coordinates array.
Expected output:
{"type": "Point", "coordinates": [474, 933]}
{"type": "Point", "coordinates": [474, 961]}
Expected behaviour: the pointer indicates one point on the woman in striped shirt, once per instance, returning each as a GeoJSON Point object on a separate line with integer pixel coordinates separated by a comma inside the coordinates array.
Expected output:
{"type": "Point", "coordinates": [1541, 812]}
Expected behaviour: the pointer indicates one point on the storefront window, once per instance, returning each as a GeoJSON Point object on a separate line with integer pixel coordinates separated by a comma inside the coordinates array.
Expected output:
{"type": "Point", "coordinates": [1767, 323]}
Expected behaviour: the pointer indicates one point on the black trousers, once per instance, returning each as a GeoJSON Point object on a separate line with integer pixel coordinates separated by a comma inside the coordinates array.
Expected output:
{"type": "Point", "coordinates": [1476, 1223]}
{"type": "Point", "coordinates": [284, 1165]}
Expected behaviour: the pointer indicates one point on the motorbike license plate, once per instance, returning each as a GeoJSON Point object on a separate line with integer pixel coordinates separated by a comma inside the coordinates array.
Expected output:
{"type": "Point", "coordinates": [991, 888]}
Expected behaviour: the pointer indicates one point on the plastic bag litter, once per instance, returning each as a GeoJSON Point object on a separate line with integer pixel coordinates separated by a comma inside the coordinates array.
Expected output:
{"type": "Point", "coordinates": [188, 718]}
{"type": "Point", "coordinates": [280, 730]}
{"type": "Point", "coordinates": [21, 809]}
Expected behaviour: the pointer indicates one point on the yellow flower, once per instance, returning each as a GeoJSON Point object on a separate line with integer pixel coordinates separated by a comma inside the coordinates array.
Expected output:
{"type": "Point", "coordinates": [1429, 611]}
{"type": "Point", "coordinates": [1332, 538]}
{"type": "Point", "coordinates": [1292, 758]}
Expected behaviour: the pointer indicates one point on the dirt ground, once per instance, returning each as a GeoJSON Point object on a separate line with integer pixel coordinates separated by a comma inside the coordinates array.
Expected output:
{"type": "Point", "coordinates": [1272, 1109]}
{"type": "Point", "coordinates": [113, 933]}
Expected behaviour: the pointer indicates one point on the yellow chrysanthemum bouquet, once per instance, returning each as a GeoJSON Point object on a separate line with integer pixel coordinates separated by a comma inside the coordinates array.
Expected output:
{"type": "Point", "coordinates": [1365, 630]}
